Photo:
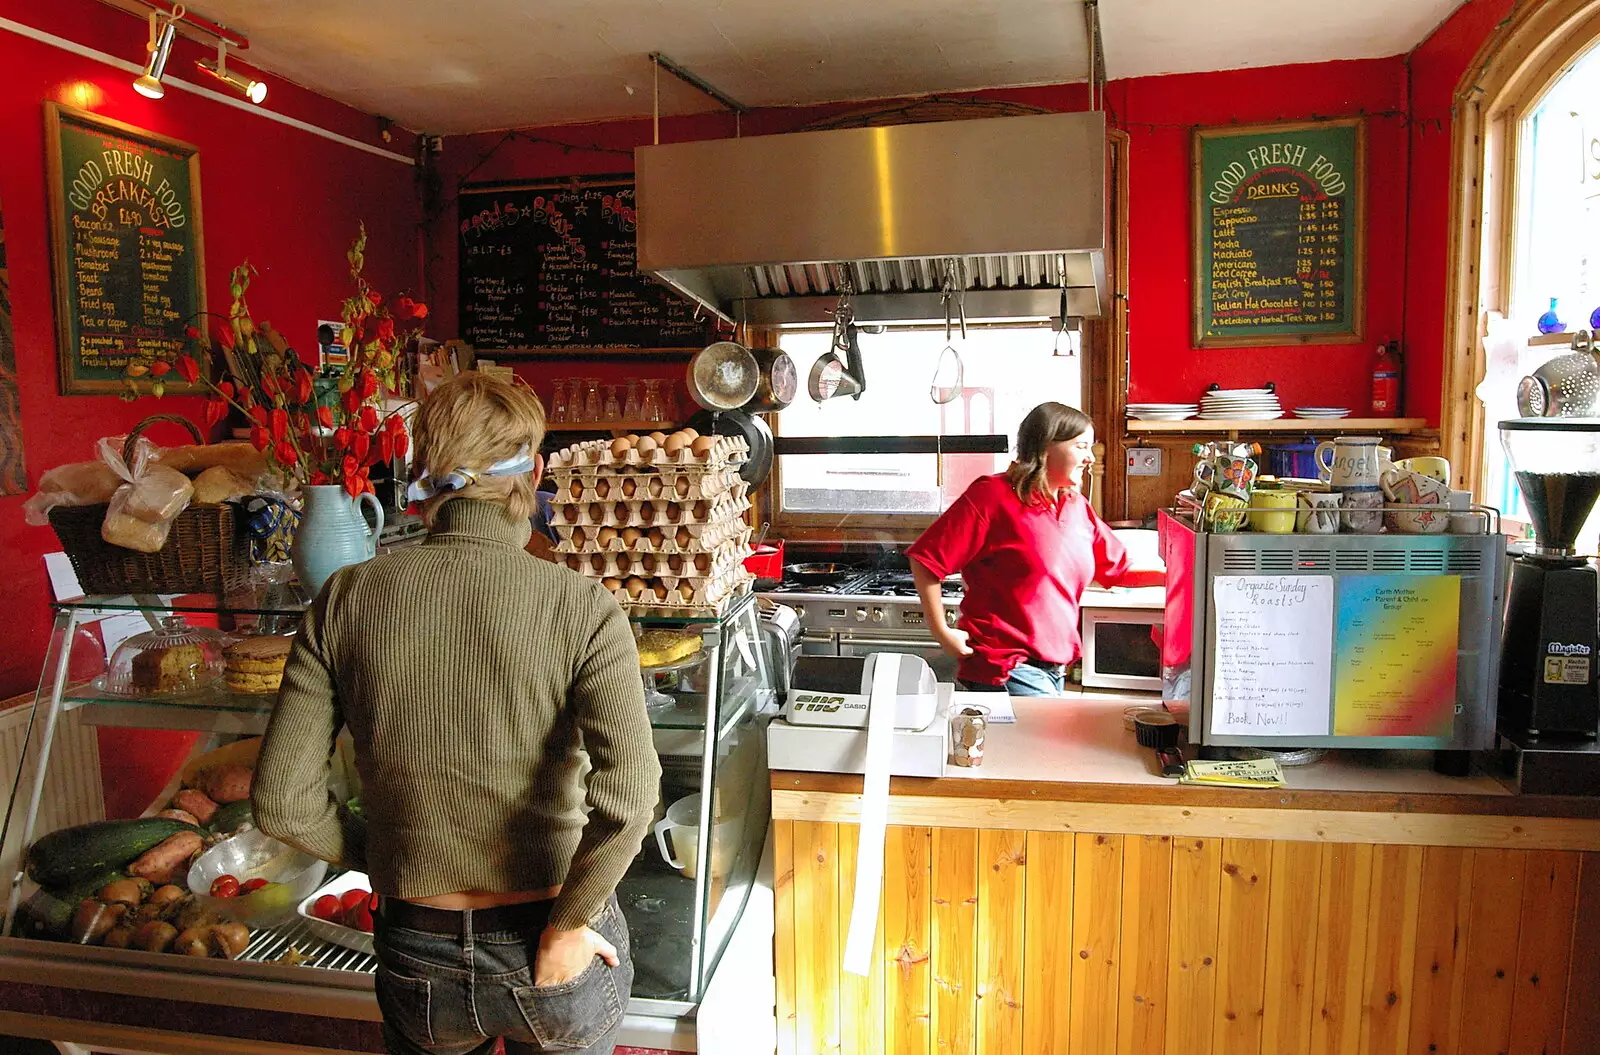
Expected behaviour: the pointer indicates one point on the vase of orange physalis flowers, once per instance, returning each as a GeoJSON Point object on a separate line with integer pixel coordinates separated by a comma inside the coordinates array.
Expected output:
{"type": "Point", "coordinates": [327, 451]}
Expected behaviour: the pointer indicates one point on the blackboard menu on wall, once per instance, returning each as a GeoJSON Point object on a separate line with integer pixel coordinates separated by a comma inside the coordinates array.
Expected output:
{"type": "Point", "coordinates": [127, 250]}
{"type": "Point", "coordinates": [552, 265]}
{"type": "Point", "coordinates": [1278, 225]}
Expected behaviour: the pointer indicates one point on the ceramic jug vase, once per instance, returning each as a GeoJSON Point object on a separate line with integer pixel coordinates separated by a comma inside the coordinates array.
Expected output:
{"type": "Point", "coordinates": [332, 533]}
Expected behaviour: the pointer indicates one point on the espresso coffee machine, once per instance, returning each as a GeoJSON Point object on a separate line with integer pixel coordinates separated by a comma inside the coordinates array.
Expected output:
{"type": "Point", "coordinates": [1550, 651]}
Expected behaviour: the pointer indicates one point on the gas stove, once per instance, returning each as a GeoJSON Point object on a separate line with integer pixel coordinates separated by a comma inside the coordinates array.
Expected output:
{"type": "Point", "coordinates": [878, 604]}
{"type": "Point", "coordinates": [885, 583]}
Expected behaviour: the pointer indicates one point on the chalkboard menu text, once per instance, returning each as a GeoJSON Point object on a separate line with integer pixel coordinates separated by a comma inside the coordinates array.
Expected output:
{"type": "Point", "coordinates": [552, 265]}
{"type": "Point", "coordinates": [1278, 216]}
{"type": "Point", "coordinates": [127, 250]}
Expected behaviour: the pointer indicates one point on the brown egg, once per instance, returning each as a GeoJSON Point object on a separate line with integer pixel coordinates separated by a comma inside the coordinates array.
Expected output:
{"type": "Point", "coordinates": [598, 563]}
{"type": "Point", "coordinates": [684, 538]}
{"type": "Point", "coordinates": [620, 511]}
{"type": "Point", "coordinates": [606, 536]}
{"type": "Point", "coordinates": [659, 437]}
{"type": "Point", "coordinates": [631, 537]}
{"type": "Point", "coordinates": [611, 583]}
{"type": "Point", "coordinates": [647, 512]}
{"type": "Point", "coordinates": [690, 433]}
{"type": "Point", "coordinates": [656, 486]}
{"type": "Point", "coordinates": [659, 589]}
{"type": "Point", "coordinates": [702, 562]}
{"type": "Point", "coordinates": [702, 447]}
{"type": "Point", "coordinates": [602, 488]}
{"type": "Point", "coordinates": [634, 586]}
{"type": "Point", "coordinates": [628, 487]}
{"type": "Point", "coordinates": [682, 486]}
{"type": "Point", "coordinates": [621, 446]}
{"type": "Point", "coordinates": [623, 563]}
{"type": "Point", "coordinates": [597, 512]}
{"type": "Point", "coordinates": [676, 442]}
{"type": "Point", "coordinates": [657, 539]}
{"type": "Point", "coordinates": [647, 445]}
{"type": "Point", "coordinates": [576, 489]}
{"type": "Point", "coordinates": [674, 512]}
{"type": "Point", "coordinates": [571, 513]}
{"type": "Point", "coordinates": [648, 563]}
{"type": "Point", "coordinates": [575, 562]}
{"type": "Point", "coordinates": [700, 510]}
{"type": "Point", "coordinates": [579, 537]}
{"type": "Point", "coordinates": [675, 562]}
{"type": "Point", "coordinates": [686, 592]}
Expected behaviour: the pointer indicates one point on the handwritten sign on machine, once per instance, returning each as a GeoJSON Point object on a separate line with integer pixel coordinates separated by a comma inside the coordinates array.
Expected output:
{"type": "Point", "coordinates": [553, 265]}
{"type": "Point", "coordinates": [127, 249]}
{"type": "Point", "coordinates": [1272, 646]}
{"type": "Point", "coordinates": [1278, 234]}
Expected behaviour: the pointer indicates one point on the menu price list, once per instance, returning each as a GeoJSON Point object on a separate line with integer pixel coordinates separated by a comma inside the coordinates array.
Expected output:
{"type": "Point", "coordinates": [557, 267]}
{"type": "Point", "coordinates": [1278, 259]}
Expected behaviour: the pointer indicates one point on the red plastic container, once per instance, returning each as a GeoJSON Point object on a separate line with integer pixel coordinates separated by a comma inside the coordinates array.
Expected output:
{"type": "Point", "coordinates": [767, 560]}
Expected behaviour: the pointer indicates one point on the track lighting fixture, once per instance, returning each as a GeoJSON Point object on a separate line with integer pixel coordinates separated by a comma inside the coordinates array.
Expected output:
{"type": "Point", "coordinates": [162, 32]}
{"type": "Point", "coordinates": [245, 85]}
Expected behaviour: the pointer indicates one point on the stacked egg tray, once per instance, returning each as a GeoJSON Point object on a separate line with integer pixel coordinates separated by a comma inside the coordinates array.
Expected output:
{"type": "Point", "coordinates": [663, 531]}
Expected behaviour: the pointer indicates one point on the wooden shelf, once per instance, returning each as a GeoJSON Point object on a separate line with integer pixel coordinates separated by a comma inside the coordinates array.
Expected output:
{"type": "Point", "coordinates": [611, 426]}
{"type": "Point", "coordinates": [1282, 425]}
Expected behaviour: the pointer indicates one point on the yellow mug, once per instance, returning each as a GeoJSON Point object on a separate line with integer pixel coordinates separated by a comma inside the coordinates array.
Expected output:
{"type": "Point", "coordinates": [1428, 465]}
{"type": "Point", "coordinates": [1273, 512]}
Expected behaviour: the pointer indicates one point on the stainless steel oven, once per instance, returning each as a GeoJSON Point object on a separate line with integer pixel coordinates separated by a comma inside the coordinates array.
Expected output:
{"type": "Point", "coordinates": [944, 666]}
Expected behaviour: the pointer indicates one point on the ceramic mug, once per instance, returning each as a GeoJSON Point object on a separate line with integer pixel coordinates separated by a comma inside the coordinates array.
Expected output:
{"type": "Point", "coordinates": [1272, 511]}
{"type": "Point", "coordinates": [1319, 512]}
{"type": "Point", "coordinates": [1438, 468]}
{"type": "Point", "coordinates": [1362, 510]}
{"type": "Point", "coordinates": [1352, 461]}
{"type": "Point", "coordinates": [1428, 499]}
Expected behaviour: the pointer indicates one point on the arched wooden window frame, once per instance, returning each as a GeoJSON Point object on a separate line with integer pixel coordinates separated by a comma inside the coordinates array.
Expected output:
{"type": "Point", "coordinates": [1511, 73]}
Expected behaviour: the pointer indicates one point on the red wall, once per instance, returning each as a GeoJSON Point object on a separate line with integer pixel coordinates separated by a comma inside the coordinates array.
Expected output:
{"type": "Point", "coordinates": [286, 199]}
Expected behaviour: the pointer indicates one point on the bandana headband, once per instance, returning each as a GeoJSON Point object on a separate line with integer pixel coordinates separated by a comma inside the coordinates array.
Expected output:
{"type": "Point", "coordinates": [425, 487]}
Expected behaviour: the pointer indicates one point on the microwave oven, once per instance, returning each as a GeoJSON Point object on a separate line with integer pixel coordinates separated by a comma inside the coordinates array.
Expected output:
{"type": "Point", "coordinates": [1121, 648]}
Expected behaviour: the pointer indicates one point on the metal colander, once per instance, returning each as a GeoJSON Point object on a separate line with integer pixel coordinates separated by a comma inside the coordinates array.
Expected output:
{"type": "Point", "coordinates": [1567, 386]}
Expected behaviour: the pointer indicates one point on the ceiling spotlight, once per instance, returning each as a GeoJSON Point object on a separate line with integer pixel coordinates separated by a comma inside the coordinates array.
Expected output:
{"type": "Point", "coordinates": [160, 49]}
{"type": "Point", "coordinates": [245, 85]}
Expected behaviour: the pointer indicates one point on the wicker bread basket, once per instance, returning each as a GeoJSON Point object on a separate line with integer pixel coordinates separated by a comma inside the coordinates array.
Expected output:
{"type": "Point", "coordinates": [207, 551]}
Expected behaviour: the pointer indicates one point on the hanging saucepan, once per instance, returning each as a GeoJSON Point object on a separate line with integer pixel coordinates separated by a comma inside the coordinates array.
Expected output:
{"type": "Point", "coordinates": [723, 376]}
{"type": "Point", "coordinates": [779, 381]}
{"type": "Point", "coordinates": [755, 432]}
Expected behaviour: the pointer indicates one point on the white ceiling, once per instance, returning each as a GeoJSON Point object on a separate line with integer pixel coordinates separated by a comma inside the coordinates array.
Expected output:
{"type": "Point", "coordinates": [476, 65]}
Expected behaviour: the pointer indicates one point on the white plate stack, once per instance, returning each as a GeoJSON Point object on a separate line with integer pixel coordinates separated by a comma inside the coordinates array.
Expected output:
{"type": "Point", "coordinates": [1162, 411]}
{"type": "Point", "coordinates": [1240, 404]}
{"type": "Point", "coordinates": [1322, 413]}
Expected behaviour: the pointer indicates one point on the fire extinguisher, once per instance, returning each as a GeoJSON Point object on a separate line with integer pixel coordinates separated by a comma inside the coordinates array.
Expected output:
{"type": "Point", "coordinates": [1386, 381]}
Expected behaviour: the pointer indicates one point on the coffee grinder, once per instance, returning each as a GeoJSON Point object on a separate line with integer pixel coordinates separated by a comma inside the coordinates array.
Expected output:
{"type": "Point", "coordinates": [1548, 653]}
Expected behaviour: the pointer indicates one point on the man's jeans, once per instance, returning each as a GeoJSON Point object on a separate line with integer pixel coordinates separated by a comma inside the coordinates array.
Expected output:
{"type": "Point", "coordinates": [1031, 678]}
{"type": "Point", "coordinates": [443, 995]}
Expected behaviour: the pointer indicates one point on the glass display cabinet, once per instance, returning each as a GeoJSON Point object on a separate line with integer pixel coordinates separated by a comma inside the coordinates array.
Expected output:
{"type": "Point", "coordinates": [683, 895]}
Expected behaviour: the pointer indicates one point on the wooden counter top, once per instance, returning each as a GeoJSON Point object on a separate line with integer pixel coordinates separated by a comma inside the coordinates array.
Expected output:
{"type": "Point", "coordinates": [1069, 763]}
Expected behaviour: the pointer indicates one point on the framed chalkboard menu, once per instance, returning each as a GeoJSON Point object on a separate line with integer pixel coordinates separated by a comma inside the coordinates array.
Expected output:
{"type": "Point", "coordinates": [1279, 216]}
{"type": "Point", "coordinates": [552, 265]}
{"type": "Point", "coordinates": [127, 249]}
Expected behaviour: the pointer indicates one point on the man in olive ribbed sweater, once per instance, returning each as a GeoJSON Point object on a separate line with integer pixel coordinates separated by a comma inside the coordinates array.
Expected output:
{"type": "Point", "coordinates": [474, 678]}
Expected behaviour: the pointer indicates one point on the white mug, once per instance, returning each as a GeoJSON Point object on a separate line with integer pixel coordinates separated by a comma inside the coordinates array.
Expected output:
{"type": "Point", "coordinates": [1319, 512]}
{"type": "Point", "coordinates": [1353, 461]}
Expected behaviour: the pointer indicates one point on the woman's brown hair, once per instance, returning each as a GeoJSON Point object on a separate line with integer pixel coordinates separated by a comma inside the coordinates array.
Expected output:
{"type": "Point", "coordinates": [1046, 424]}
{"type": "Point", "coordinates": [470, 422]}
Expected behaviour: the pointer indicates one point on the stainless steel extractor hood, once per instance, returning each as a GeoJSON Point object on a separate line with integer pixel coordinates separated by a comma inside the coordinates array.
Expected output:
{"type": "Point", "coordinates": [765, 228]}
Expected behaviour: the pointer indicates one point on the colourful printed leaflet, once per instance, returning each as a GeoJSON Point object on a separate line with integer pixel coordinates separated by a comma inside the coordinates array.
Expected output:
{"type": "Point", "coordinates": [1396, 657]}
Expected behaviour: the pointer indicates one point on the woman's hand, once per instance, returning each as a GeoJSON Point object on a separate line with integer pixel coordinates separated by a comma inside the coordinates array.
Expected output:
{"type": "Point", "coordinates": [953, 641]}
{"type": "Point", "coordinates": [565, 954]}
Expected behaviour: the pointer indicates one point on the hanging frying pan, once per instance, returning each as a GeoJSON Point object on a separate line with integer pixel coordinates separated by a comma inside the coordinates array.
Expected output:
{"type": "Point", "coordinates": [755, 432]}
{"type": "Point", "coordinates": [723, 376]}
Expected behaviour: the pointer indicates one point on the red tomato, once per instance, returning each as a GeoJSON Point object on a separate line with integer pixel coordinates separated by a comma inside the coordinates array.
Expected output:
{"type": "Point", "coordinates": [225, 886]}
{"type": "Point", "coordinates": [359, 916]}
{"type": "Point", "coordinates": [351, 898]}
{"type": "Point", "coordinates": [327, 907]}
{"type": "Point", "coordinates": [250, 886]}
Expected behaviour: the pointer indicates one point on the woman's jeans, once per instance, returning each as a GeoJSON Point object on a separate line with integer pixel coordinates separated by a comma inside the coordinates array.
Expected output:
{"type": "Point", "coordinates": [1029, 678]}
{"type": "Point", "coordinates": [453, 995]}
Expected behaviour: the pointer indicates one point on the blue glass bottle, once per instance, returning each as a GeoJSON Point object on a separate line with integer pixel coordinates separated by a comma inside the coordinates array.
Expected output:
{"type": "Point", "coordinates": [1594, 319]}
{"type": "Point", "coordinates": [1550, 322]}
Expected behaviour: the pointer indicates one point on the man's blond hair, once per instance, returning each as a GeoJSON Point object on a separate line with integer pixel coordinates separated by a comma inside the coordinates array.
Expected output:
{"type": "Point", "coordinates": [470, 422]}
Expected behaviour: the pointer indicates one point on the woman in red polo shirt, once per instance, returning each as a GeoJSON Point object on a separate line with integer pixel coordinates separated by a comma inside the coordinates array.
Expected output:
{"type": "Point", "coordinates": [1026, 543]}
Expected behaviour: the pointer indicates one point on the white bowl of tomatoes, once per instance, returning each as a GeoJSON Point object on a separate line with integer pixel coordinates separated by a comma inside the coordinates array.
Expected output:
{"type": "Point", "coordinates": [341, 912]}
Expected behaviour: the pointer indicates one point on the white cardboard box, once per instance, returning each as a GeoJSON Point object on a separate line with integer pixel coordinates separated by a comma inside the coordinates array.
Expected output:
{"type": "Point", "coordinates": [829, 749]}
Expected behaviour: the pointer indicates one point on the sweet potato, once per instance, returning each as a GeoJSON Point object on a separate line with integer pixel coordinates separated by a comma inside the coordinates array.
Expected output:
{"type": "Point", "coordinates": [169, 859]}
{"type": "Point", "coordinates": [195, 803]}
{"type": "Point", "coordinates": [227, 783]}
{"type": "Point", "coordinates": [180, 815]}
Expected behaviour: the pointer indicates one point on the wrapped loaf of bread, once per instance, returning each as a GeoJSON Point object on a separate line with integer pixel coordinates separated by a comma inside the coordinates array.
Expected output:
{"type": "Point", "coordinates": [160, 494]}
{"type": "Point", "coordinates": [130, 532]}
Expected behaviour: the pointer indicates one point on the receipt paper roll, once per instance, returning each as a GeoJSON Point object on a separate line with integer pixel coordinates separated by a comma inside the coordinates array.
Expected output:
{"type": "Point", "coordinates": [874, 814]}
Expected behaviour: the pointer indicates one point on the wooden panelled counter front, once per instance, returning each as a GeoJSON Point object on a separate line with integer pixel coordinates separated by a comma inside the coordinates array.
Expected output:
{"type": "Point", "coordinates": [1078, 919]}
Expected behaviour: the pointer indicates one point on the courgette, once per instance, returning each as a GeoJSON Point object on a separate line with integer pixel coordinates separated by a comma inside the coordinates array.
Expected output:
{"type": "Point", "coordinates": [228, 818]}
{"type": "Point", "coordinates": [45, 915]}
{"type": "Point", "coordinates": [66, 857]}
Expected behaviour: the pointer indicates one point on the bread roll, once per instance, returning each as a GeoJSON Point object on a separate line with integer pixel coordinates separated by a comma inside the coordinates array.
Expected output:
{"type": "Point", "coordinates": [218, 484]}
